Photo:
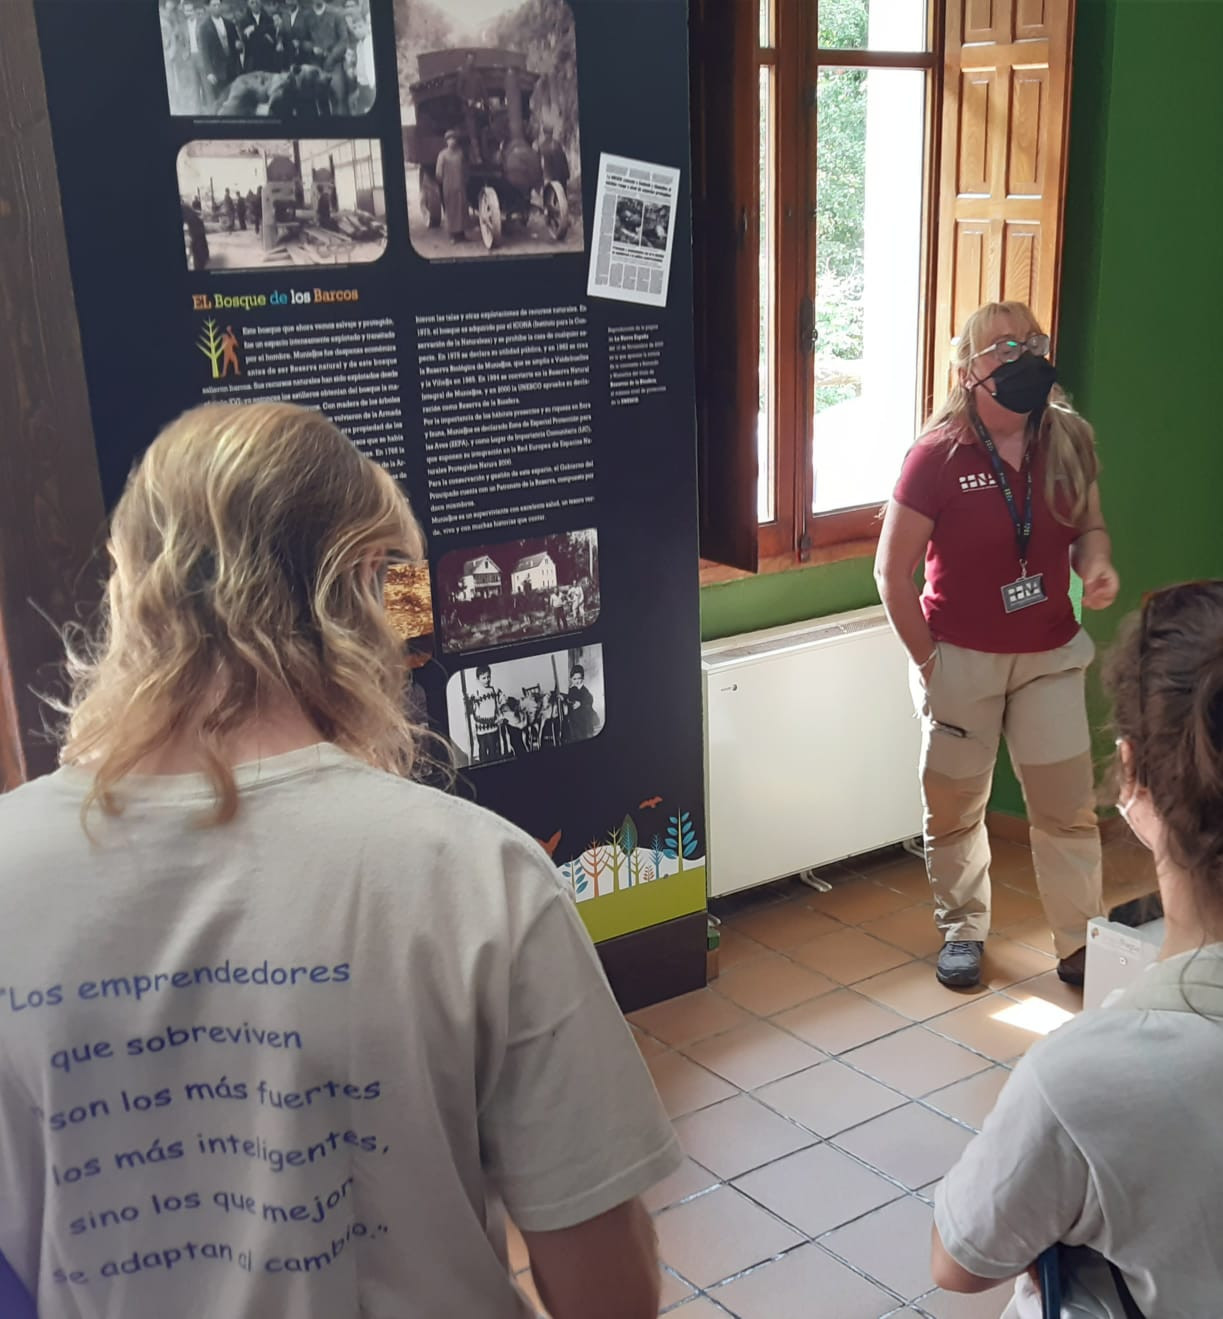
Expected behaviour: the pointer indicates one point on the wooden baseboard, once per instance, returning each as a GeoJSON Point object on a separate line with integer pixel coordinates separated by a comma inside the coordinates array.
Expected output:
{"type": "Point", "coordinates": [1014, 828]}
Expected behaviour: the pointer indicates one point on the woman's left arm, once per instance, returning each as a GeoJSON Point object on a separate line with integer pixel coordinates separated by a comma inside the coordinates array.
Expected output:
{"type": "Point", "coordinates": [1091, 555]}
{"type": "Point", "coordinates": [1019, 1186]}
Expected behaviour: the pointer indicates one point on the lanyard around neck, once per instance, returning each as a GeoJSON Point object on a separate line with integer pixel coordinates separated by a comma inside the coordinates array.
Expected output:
{"type": "Point", "coordinates": [1023, 526]}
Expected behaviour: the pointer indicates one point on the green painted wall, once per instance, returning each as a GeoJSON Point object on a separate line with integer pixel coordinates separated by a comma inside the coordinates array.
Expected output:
{"type": "Point", "coordinates": [1141, 341]}
{"type": "Point", "coordinates": [786, 597]}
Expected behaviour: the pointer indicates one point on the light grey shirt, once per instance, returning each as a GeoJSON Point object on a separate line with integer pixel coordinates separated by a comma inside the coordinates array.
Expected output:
{"type": "Point", "coordinates": [1109, 1134]}
{"type": "Point", "coordinates": [295, 1064]}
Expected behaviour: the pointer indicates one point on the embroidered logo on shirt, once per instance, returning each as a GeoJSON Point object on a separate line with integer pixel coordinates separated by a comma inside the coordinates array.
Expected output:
{"type": "Point", "coordinates": [978, 481]}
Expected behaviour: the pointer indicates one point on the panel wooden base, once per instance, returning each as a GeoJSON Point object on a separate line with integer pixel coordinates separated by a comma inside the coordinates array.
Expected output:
{"type": "Point", "coordinates": [657, 963]}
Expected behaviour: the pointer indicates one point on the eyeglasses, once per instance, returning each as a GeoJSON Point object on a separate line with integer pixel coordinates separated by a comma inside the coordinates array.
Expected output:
{"type": "Point", "coordinates": [1011, 350]}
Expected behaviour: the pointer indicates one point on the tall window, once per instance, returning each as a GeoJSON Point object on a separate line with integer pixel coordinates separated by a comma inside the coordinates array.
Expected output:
{"type": "Point", "coordinates": [884, 166]}
{"type": "Point", "coordinates": [844, 203]}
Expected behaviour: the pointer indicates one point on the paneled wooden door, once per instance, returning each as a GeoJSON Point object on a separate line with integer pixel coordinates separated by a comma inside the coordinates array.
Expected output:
{"type": "Point", "coordinates": [1003, 162]}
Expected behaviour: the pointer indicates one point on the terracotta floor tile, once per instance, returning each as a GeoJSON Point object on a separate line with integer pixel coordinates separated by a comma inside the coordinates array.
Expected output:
{"type": "Point", "coordinates": [984, 1305]}
{"type": "Point", "coordinates": [736, 948]}
{"type": "Point", "coordinates": [516, 1248]}
{"type": "Point", "coordinates": [1012, 865]}
{"type": "Point", "coordinates": [913, 991]}
{"type": "Point", "coordinates": [683, 1086]}
{"type": "Point", "coordinates": [912, 1144]}
{"type": "Point", "coordinates": [915, 1062]}
{"type": "Point", "coordinates": [737, 1135]}
{"type": "Point", "coordinates": [817, 1189]}
{"type": "Point", "coordinates": [674, 1289]}
{"type": "Point", "coordinates": [782, 925]}
{"type": "Point", "coordinates": [754, 1054]}
{"type": "Point", "coordinates": [771, 984]}
{"type": "Point", "coordinates": [1010, 907]}
{"type": "Point", "coordinates": [971, 1100]}
{"type": "Point", "coordinates": [839, 1021]}
{"type": "Point", "coordinates": [1033, 934]}
{"type": "Point", "coordinates": [906, 875]}
{"type": "Point", "coordinates": [1010, 859]}
{"type": "Point", "coordinates": [912, 929]}
{"type": "Point", "coordinates": [928, 1191]}
{"type": "Point", "coordinates": [859, 900]}
{"type": "Point", "coordinates": [689, 1018]}
{"type": "Point", "coordinates": [700, 1307]}
{"type": "Point", "coordinates": [1007, 962]}
{"type": "Point", "coordinates": [687, 1180]}
{"type": "Point", "coordinates": [978, 1026]}
{"type": "Point", "coordinates": [1053, 990]}
{"type": "Point", "coordinates": [849, 956]}
{"type": "Point", "coordinates": [802, 1284]}
{"type": "Point", "coordinates": [647, 1044]}
{"type": "Point", "coordinates": [829, 1098]}
{"type": "Point", "coordinates": [892, 1244]}
{"type": "Point", "coordinates": [718, 1235]}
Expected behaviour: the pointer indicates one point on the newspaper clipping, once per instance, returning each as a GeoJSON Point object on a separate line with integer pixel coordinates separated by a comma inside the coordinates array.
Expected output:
{"type": "Point", "coordinates": [630, 257]}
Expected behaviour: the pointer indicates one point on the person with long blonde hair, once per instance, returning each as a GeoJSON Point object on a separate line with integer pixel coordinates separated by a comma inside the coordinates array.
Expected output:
{"type": "Point", "coordinates": [999, 497]}
{"type": "Point", "coordinates": [283, 1032]}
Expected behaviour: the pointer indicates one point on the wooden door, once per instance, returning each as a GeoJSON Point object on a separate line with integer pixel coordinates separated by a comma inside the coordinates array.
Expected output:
{"type": "Point", "coordinates": [1003, 162]}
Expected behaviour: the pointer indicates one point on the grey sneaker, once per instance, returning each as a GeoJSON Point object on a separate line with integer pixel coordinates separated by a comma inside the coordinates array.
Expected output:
{"type": "Point", "coordinates": [959, 963]}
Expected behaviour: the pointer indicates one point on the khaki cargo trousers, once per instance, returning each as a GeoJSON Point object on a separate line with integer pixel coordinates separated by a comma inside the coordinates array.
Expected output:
{"type": "Point", "coordinates": [1037, 701]}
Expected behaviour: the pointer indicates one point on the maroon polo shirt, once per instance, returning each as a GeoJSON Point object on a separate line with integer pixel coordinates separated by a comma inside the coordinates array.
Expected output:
{"type": "Point", "coordinates": [972, 552]}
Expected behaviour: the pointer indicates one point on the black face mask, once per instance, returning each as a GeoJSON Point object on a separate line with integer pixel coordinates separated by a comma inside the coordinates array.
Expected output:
{"type": "Point", "coordinates": [1023, 385]}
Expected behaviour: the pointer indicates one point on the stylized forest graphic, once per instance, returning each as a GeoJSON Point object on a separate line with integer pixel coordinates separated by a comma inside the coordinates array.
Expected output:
{"type": "Point", "coordinates": [624, 859]}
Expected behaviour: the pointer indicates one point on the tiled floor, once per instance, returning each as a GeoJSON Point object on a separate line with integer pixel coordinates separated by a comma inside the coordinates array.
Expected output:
{"type": "Point", "coordinates": [825, 1082]}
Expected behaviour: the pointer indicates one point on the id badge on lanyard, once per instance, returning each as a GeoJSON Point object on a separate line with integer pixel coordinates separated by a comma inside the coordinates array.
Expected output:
{"type": "Point", "coordinates": [1027, 589]}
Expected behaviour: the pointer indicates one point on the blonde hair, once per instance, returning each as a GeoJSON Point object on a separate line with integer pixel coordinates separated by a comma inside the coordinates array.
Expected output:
{"type": "Point", "coordinates": [1067, 438]}
{"type": "Point", "coordinates": [244, 552]}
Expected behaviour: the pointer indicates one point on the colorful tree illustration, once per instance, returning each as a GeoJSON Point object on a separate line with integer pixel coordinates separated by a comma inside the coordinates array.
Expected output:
{"type": "Point", "coordinates": [209, 343]}
{"type": "Point", "coordinates": [575, 876]}
{"type": "Point", "coordinates": [681, 839]}
{"type": "Point", "coordinates": [594, 863]}
{"type": "Point", "coordinates": [615, 841]}
{"type": "Point", "coordinates": [628, 840]}
{"type": "Point", "coordinates": [656, 855]}
{"type": "Point", "coordinates": [647, 873]}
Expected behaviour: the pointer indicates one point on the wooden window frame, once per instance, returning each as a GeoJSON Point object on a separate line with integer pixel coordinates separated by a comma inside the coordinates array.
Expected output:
{"type": "Point", "coordinates": [797, 532]}
{"type": "Point", "coordinates": [797, 535]}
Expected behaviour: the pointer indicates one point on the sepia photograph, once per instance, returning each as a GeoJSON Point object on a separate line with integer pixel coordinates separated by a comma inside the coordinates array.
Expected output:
{"type": "Point", "coordinates": [284, 59]}
{"type": "Point", "coordinates": [248, 205]}
{"type": "Point", "coordinates": [519, 590]}
{"type": "Point", "coordinates": [499, 712]}
{"type": "Point", "coordinates": [408, 599]}
{"type": "Point", "coordinates": [488, 99]}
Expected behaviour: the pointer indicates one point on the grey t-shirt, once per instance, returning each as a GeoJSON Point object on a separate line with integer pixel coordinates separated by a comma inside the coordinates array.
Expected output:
{"type": "Point", "coordinates": [295, 1064]}
{"type": "Point", "coordinates": [1108, 1135]}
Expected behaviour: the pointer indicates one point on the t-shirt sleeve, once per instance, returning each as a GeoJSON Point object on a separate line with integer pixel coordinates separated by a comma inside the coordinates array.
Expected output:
{"type": "Point", "coordinates": [919, 486]}
{"type": "Point", "coordinates": [1019, 1187]}
{"type": "Point", "coordinates": [573, 1126]}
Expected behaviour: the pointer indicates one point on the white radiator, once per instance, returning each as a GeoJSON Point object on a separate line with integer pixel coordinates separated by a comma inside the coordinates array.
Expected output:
{"type": "Point", "coordinates": [811, 747]}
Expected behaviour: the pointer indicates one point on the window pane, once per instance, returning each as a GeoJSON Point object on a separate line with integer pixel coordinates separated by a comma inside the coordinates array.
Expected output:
{"type": "Point", "coordinates": [870, 143]}
{"type": "Point", "coordinates": [766, 23]}
{"type": "Point", "coordinates": [766, 431]}
{"type": "Point", "coordinates": [873, 24]}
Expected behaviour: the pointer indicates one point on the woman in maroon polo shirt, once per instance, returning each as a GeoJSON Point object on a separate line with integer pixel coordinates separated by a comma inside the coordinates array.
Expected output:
{"type": "Point", "coordinates": [999, 496]}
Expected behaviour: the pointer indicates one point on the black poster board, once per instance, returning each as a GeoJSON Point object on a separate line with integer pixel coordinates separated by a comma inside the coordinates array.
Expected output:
{"type": "Point", "coordinates": [261, 201]}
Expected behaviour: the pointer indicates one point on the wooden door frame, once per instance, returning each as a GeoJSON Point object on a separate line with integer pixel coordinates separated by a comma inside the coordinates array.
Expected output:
{"type": "Point", "coordinates": [52, 517]}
